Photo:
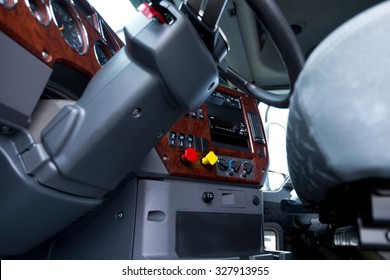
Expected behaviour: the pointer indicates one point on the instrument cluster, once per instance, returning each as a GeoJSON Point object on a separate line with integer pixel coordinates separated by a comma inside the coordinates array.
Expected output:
{"type": "Point", "coordinates": [70, 32]}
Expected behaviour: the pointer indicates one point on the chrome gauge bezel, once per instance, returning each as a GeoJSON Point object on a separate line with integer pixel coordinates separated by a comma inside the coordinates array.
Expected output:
{"type": "Point", "coordinates": [107, 34]}
{"type": "Point", "coordinates": [76, 18]}
{"type": "Point", "coordinates": [93, 18]}
{"type": "Point", "coordinates": [44, 9]}
{"type": "Point", "coordinates": [107, 48]}
{"type": "Point", "coordinates": [9, 4]}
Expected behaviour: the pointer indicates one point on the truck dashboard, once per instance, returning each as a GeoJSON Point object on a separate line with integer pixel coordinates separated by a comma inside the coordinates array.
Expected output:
{"type": "Point", "coordinates": [145, 143]}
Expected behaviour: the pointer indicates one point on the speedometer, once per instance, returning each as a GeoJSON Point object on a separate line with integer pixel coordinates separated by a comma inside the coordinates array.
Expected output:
{"type": "Point", "coordinates": [70, 26]}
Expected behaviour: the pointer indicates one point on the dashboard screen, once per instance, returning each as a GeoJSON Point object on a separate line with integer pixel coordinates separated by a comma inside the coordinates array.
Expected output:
{"type": "Point", "coordinates": [227, 122]}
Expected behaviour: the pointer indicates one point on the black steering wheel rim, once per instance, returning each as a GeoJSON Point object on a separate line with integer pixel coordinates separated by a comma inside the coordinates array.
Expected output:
{"type": "Point", "coordinates": [273, 20]}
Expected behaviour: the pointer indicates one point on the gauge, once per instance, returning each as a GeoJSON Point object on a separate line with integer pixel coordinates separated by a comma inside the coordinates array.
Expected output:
{"type": "Point", "coordinates": [103, 52]}
{"type": "Point", "coordinates": [8, 4]}
{"type": "Point", "coordinates": [70, 26]}
{"type": "Point", "coordinates": [108, 35]}
{"type": "Point", "coordinates": [87, 12]}
{"type": "Point", "coordinates": [39, 10]}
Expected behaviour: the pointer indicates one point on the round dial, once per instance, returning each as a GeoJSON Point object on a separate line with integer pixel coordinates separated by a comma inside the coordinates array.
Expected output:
{"type": "Point", "coordinates": [222, 164]}
{"type": "Point", "coordinates": [103, 52]}
{"type": "Point", "coordinates": [70, 26]}
{"type": "Point", "coordinates": [108, 36]}
{"type": "Point", "coordinates": [248, 167]}
{"type": "Point", "coordinates": [234, 165]}
{"type": "Point", "coordinates": [39, 10]}
{"type": "Point", "coordinates": [85, 9]}
{"type": "Point", "coordinates": [8, 4]}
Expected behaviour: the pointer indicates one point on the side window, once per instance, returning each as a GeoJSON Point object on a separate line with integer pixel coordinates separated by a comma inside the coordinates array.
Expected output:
{"type": "Point", "coordinates": [275, 125]}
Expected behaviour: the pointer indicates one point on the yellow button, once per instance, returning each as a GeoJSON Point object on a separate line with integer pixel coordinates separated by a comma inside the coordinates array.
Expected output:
{"type": "Point", "coordinates": [210, 159]}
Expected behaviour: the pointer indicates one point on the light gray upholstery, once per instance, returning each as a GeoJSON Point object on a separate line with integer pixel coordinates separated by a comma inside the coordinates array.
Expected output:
{"type": "Point", "coordinates": [339, 123]}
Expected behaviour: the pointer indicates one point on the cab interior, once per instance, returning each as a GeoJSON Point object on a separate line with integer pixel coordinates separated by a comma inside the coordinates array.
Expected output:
{"type": "Point", "coordinates": [223, 129]}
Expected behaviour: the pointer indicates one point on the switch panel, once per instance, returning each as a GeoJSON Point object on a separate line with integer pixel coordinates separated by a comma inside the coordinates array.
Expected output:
{"type": "Point", "coordinates": [228, 124]}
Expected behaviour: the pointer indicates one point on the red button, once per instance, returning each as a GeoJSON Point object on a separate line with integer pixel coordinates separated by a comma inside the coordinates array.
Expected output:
{"type": "Point", "coordinates": [190, 155]}
{"type": "Point", "coordinates": [150, 12]}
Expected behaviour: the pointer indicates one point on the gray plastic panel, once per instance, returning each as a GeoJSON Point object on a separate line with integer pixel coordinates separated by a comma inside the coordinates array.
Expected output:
{"type": "Point", "coordinates": [151, 166]}
{"type": "Point", "coordinates": [155, 238]}
{"type": "Point", "coordinates": [98, 141]}
{"type": "Point", "coordinates": [109, 235]}
{"type": "Point", "coordinates": [44, 112]}
{"type": "Point", "coordinates": [29, 212]}
{"type": "Point", "coordinates": [178, 55]}
{"type": "Point", "coordinates": [23, 78]}
{"type": "Point", "coordinates": [163, 71]}
{"type": "Point", "coordinates": [21, 138]}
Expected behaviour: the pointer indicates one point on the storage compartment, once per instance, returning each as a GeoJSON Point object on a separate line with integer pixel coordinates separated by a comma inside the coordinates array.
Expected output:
{"type": "Point", "coordinates": [184, 219]}
{"type": "Point", "coordinates": [217, 234]}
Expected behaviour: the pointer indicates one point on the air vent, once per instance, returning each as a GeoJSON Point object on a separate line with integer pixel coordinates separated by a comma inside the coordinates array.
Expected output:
{"type": "Point", "coordinates": [257, 132]}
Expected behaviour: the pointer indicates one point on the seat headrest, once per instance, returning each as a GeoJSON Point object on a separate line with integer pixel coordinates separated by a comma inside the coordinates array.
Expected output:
{"type": "Point", "coordinates": [339, 122]}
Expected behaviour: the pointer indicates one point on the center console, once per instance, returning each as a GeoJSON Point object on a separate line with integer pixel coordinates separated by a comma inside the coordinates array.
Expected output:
{"type": "Point", "coordinates": [201, 198]}
{"type": "Point", "coordinates": [227, 125]}
{"type": "Point", "coordinates": [195, 195]}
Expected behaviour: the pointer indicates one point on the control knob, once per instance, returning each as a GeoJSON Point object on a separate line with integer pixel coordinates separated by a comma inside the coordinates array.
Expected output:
{"type": "Point", "coordinates": [190, 155]}
{"type": "Point", "coordinates": [248, 167]}
{"type": "Point", "coordinates": [210, 159]}
{"type": "Point", "coordinates": [234, 165]}
{"type": "Point", "coordinates": [222, 164]}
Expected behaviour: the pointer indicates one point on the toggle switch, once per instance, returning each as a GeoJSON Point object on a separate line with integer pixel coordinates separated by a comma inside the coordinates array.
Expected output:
{"type": "Point", "coordinates": [210, 159]}
{"type": "Point", "coordinates": [190, 155]}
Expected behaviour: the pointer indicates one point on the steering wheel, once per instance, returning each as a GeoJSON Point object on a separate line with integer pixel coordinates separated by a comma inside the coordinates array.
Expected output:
{"type": "Point", "coordinates": [273, 20]}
